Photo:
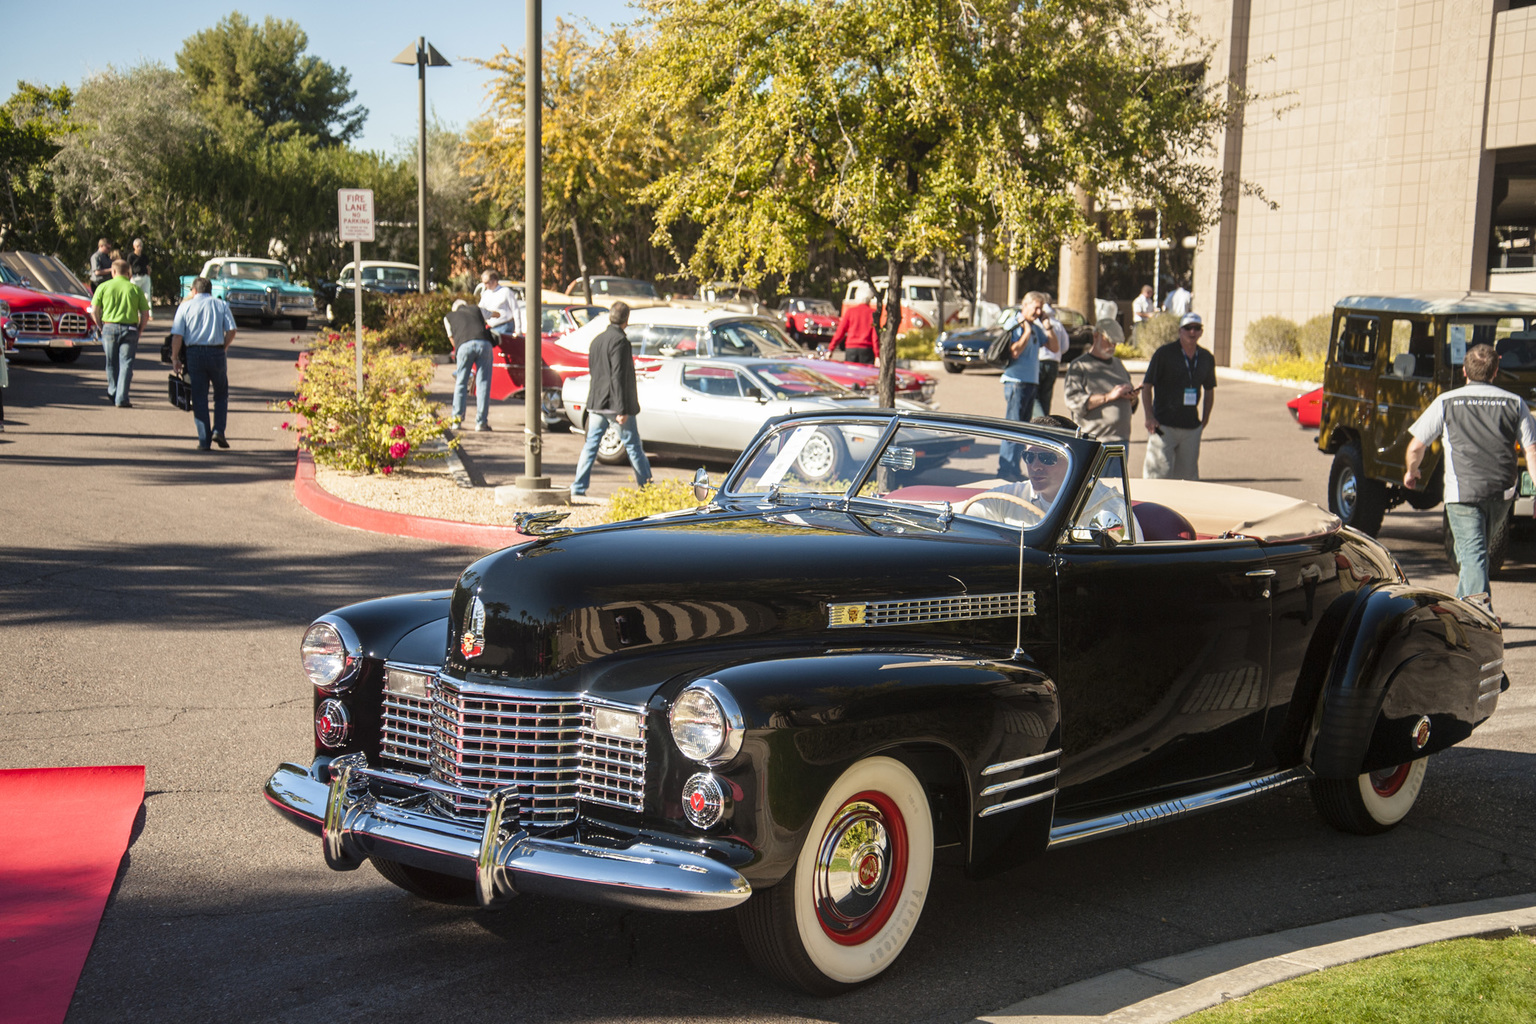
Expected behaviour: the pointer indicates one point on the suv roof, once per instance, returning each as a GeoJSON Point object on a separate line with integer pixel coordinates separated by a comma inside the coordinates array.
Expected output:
{"type": "Point", "coordinates": [1451, 303]}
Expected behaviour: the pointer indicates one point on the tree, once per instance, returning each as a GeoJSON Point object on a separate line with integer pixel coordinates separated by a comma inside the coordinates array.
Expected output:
{"type": "Point", "coordinates": [239, 69]}
{"type": "Point", "coordinates": [33, 124]}
{"type": "Point", "coordinates": [902, 126]}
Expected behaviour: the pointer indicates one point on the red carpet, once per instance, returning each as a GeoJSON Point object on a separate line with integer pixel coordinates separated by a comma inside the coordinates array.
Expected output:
{"type": "Point", "coordinates": [62, 835]}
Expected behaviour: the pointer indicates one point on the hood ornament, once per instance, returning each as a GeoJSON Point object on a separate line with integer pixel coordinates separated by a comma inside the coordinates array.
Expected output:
{"type": "Point", "coordinates": [473, 641]}
{"type": "Point", "coordinates": [541, 524]}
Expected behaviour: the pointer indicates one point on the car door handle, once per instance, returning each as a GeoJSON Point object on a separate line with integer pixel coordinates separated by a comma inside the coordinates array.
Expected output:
{"type": "Point", "coordinates": [1261, 574]}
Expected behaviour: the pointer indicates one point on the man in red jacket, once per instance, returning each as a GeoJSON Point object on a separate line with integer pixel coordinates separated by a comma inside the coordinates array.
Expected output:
{"type": "Point", "coordinates": [856, 331]}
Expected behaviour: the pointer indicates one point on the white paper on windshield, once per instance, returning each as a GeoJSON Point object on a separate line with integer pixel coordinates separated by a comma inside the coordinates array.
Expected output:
{"type": "Point", "coordinates": [1458, 344]}
{"type": "Point", "coordinates": [788, 453]}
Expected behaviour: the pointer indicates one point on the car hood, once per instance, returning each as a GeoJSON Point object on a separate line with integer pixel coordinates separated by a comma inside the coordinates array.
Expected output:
{"type": "Point", "coordinates": [20, 298]}
{"type": "Point", "coordinates": [587, 600]}
{"type": "Point", "coordinates": [862, 375]}
{"type": "Point", "coordinates": [970, 337]}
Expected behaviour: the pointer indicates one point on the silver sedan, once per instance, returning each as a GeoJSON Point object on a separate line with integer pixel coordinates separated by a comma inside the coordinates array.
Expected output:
{"type": "Point", "coordinates": [711, 408]}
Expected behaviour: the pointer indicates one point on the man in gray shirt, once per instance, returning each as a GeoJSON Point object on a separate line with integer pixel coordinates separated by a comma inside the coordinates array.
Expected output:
{"type": "Point", "coordinates": [1098, 388]}
{"type": "Point", "coordinates": [1479, 425]}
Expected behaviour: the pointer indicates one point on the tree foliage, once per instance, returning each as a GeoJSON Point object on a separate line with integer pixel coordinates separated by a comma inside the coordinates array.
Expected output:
{"type": "Point", "coordinates": [34, 123]}
{"type": "Point", "coordinates": [241, 70]}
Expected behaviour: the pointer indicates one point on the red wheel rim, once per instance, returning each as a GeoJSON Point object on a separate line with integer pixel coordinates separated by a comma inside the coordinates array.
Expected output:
{"type": "Point", "coordinates": [1389, 780]}
{"type": "Point", "coordinates": [861, 868]}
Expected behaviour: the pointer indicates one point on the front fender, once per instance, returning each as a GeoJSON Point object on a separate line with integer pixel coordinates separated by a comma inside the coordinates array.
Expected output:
{"type": "Point", "coordinates": [1407, 653]}
{"type": "Point", "coordinates": [809, 718]}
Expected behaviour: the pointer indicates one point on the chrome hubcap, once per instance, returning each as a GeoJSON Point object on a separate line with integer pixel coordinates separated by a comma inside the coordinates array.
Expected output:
{"type": "Point", "coordinates": [1348, 491]}
{"type": "Point", "coordinates": [858, 870]}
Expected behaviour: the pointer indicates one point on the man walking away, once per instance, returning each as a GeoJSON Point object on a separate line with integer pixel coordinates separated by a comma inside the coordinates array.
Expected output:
{"type": "Point", "coordinates": [1479, 425]}
{"type": "Point", "coordinates": [138, 273]}
{"type": "Point", "coordinates": [1177, 301]}
{"type": "Point", "coordinates": [101, 264]}
{"type": "Point", "coordinates": [200, 340]}
{"type": "Point", "coordinates": [502, 308]}
{"type": "Point", "coordinates": [472, 344]}
{"type": "Point", "coordinates": [121, 310]}
{"type": "Point", "coordinates": [612, 395]}
{"type": "Point", "coordinates": [856, 333]}
{"type": "Point", "coordinates": [1177, 373]}
{"type": "Point", "coordinates": [1021, 377]}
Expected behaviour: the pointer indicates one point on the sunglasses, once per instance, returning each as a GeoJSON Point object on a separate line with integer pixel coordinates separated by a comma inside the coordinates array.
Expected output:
{"type": "Point", "coordinates": [1193, 329]}
{"type": "Point", "coordinates": [1044, 458]}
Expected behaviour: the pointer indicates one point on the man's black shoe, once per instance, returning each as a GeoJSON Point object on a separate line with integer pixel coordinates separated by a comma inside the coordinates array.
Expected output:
{"type": "Point", "coordinates": [218, 439]}
{"type": "Point", "coordinates": [125, 405]}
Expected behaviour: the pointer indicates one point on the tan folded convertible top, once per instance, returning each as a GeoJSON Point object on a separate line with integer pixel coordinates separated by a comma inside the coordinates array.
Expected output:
{"type": "Point", "coordinates": [1217, 510]}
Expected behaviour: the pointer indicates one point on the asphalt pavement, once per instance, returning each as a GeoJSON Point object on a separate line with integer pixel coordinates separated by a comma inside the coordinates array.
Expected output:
{"type": "Point", "coordinates": [152, 598]}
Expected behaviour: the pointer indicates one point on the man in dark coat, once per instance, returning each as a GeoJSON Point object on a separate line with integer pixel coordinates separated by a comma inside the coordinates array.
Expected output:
{"type": "Point", "coordinates": [612, 396]}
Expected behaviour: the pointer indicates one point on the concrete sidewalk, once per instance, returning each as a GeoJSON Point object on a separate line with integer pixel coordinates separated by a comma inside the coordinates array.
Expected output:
{"type": "Point", "coordinates": [1177, 986]}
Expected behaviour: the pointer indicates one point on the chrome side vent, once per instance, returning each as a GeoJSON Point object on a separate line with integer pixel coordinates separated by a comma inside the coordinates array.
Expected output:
{"type": "Point", "coordinates": [930, 609]}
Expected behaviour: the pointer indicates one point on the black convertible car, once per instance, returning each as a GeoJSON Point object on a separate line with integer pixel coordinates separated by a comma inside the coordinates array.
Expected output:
{"type": "Point", "coordinates": [786, 700]}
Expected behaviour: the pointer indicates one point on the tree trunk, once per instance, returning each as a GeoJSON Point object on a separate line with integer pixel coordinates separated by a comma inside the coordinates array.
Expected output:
{"type": "Point", "coordinates": [893, 270]}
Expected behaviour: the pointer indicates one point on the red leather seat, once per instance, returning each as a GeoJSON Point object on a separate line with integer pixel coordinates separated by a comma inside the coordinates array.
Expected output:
{"type": "Point", "coordinates": [1159, 522]}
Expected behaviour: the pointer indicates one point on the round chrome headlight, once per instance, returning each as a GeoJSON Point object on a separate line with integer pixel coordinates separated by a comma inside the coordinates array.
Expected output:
{"type": "Point", "coordinates": [706, 724]}
{"type": "Point", "coordinates": [327, 662]}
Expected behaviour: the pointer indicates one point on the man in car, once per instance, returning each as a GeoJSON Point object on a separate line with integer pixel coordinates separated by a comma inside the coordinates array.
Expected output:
{"type": "Point", "coordinates": [1480, 426]}
{"type": "Point", "coordinates": [472, 346]}
{"type": "Point", "coordinates": [612, 396]}
{"type": "Point", "coordinates": [856, 332]}
{"type": "Point", "coordinates": [502, 308]}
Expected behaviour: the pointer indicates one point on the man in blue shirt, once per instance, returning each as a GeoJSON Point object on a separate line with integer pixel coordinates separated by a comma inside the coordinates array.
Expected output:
{"type": "Point", "coordinates": [1021, 378]}
{"type": "Point", "coordinates": [200, 339]}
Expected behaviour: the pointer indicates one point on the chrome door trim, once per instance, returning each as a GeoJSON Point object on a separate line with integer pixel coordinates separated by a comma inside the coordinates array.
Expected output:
{"type": "Point", "coordinates": [1140, 817]}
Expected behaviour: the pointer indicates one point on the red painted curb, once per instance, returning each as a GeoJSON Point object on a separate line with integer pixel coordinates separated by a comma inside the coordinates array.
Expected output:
{"type": "Point", "coordinates": [397, 524]}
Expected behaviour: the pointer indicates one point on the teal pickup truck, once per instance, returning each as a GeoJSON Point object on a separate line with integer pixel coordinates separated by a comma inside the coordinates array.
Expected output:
{"type": "Point", "coordinates": [257, 289]}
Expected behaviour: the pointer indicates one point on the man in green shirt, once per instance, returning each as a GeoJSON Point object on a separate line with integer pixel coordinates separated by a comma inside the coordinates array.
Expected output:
{"type": "Point", "coordinates": [122, 311]}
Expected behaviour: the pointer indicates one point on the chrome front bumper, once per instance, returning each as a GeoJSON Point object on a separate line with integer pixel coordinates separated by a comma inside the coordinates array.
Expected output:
{"type": "Point", "coordinates": [354, 822]}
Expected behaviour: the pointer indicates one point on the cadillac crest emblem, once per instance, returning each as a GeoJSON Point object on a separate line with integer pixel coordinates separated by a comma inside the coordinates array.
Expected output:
{"type": "Point", "coordinates": [473, 641]}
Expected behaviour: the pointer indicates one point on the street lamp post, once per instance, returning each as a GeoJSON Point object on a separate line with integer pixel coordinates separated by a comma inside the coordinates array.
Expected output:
{"type": "Point", "coordinates": [423, 55]}
{"type": "Point", "coordinates": [533, 277]}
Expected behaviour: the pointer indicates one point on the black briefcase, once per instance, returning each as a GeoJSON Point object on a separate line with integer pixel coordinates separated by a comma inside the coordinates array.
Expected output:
{"type": "Point", "coordinates": [179, 391]}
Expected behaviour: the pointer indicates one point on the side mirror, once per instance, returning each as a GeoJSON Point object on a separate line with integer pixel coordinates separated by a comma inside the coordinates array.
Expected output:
{"type": "Point", "coordinates": [1107, 529]}
{"type": "Point", "coordinates": [702, 488]}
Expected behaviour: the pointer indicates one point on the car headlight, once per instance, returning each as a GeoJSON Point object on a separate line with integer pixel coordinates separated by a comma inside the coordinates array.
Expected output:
{"type": "Point", "coordinates": [328, 661]}
{"type": "Point", "coordinates": [706, 723]}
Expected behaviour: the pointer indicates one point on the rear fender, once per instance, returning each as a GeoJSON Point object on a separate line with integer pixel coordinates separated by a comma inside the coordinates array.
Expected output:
{"type": "Point", "coordinates": [1406, 654]}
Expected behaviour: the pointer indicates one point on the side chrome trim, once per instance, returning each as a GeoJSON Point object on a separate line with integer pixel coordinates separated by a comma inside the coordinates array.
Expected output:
{"type": "Point", "coordinates": [1140, 817]}
{"type": "Point", "coordinates": [1022, 801]}
{"type": "Point", "coordinates": [1008, 766]}
{"type": "Point", "coordinates": [1003, 787]}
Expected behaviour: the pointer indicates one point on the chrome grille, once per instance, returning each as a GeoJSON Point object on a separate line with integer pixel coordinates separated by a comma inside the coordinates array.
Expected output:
{"type": "Point", "coordinates": [34, 322]}
{"type": "Point", "coordinates": [485, 739]}
{"type": "Point", "coordinates": [931, 609]}
{"type": "Point", "coordinates": [72, 323]}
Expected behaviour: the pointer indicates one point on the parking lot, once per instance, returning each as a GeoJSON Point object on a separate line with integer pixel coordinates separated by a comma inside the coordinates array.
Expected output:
{"type": "Point", "coordinates": [153, 598]}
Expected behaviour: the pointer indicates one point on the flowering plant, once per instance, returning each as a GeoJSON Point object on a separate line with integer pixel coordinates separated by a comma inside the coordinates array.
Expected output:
{"type": "Point", "coordinates": [392, 426]}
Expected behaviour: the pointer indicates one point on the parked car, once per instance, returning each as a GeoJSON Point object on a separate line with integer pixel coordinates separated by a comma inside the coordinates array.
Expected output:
{"type": "Point", "coordinates": [257, 289]}
{"type": "Point", "coordinates": [382, 277]}
{"type": "Point", "coordinates": [48, 308]}
{"type": "Point", "coordinates": [967, 346]}
{"type": "Point", "coordinates": [712, 408]}
{"type": "Point", "coordinates": [557, 363]}
{"type": "Point", "coordinates": [919, 301]}
{"type": "Point", "coordinates": [1307, 408]}
{"type": "Point", "coordinates": [786, 700]}
{"type": "Point", "coordinates": [1389, 356]}
{"type": "Point", "coordinates": [811, 322]}
{"type": "Point", "coordinates": [605, 289]}
{"type": "Point", "coordinates": [666, 331]}
{"type": "Point", "coordinates": [735, 297]}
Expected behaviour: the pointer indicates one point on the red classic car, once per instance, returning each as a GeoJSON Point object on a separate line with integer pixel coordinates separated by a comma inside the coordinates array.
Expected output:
{"type": "Point", "coordinates": [811, 322]}
{"type": "Point", "coordinates": [558, 362]}
{"type": "Point", "coordinates": [1308, 408]}
{"type": "Point", "coordinates": [49, 308]}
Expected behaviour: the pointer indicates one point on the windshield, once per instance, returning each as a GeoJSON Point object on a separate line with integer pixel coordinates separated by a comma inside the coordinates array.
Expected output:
{"type": "Point", "coordinates": [662, 340]}
{"type": "Point", "coordinates": [920, 465]}
{"type": "Point", "coordinates": [391, 275]}
{"type": "Point", "coordinates": [254, 272]}
{"type": "Point", "coordinates": [751, 338]}
{"type": "Point", "coordinates": [618, 286]}
{"type": "Point", "coordinates": [7, 277]}
{"type": "Point", "coordinates": [553, 322]}
{"type": "Point", "coordinates": [923, 293]}
{"type": "Point", "coordinates": [821, 307]}
{"type": "Point", "coordinates": [796, 380]}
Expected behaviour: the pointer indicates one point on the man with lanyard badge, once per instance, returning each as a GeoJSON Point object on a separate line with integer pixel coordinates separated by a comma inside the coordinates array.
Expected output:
{"type": "Point", "coordinates": [1176, 416]}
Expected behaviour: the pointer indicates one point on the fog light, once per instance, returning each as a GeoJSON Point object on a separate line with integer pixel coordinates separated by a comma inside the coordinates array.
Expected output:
{"type": "Point", "coordinates": [703, 801]}
{"type": "Point", "coordinates": [416, 685]}
{"type": "Point", "coordinates": [333, 725]}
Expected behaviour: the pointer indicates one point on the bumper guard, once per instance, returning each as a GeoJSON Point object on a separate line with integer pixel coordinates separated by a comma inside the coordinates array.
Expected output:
{"type": "Point", "coordinates": [354, 822]}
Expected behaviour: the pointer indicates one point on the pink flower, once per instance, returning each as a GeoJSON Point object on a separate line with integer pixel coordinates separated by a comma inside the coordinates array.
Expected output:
{"type": "Point", "coordinates": [398, 431]}
{"type": "Point", "coordinates": [398, 449]}
{"type": "Point", "coordinates": [386, 470]}
{"type": "Point", "coordinates": [285, 424]}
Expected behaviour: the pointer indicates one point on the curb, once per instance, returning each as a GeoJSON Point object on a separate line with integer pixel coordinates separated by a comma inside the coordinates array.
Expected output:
{"type": "Point", "coordinates": [397, 524]}
{"type": "Point", "coordinates": [1165, 990]}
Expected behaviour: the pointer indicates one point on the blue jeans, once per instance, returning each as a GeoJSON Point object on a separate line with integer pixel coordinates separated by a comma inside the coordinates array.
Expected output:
{"type": "Point", "coordinates": [474, 357]}
{"type": "Point", "coordinates": [1047, 386]}
{"type": "Point", "coordinates": [208, 364]}
{"type": "Point", "coordinates": [1471, 522]}
{"type": "Point", "coordinates": [120, 343]}
{"type": "Point", "coordinates": [1019, 404]}
{"type": "Point", "coordinates": [629, 433]}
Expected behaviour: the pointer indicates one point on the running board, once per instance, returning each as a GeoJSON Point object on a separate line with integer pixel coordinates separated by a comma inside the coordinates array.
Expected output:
{"type": "Point", "coordinates": [1156, 814]}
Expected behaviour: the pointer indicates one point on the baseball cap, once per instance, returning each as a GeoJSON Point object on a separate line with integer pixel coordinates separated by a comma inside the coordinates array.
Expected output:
{"type": "Point", "coordinates": [1191, 318]}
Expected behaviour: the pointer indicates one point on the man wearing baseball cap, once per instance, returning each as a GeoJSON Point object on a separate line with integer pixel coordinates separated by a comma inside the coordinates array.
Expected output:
{"type": "Point", "coordinates": [1181, 377]}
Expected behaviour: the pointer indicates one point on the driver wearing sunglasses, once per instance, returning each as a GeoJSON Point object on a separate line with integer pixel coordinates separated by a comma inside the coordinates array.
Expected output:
{"type": "Point", "coordinates": [1029, 500]}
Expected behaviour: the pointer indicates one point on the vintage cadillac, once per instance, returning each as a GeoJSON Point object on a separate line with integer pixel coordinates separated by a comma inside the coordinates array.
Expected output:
{"type": "Point", "coordinates": [792, 699]}
{"type": "Point", "coordinates": [257, 289]}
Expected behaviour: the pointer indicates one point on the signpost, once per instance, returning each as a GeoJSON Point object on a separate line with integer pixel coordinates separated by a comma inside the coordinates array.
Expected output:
{"type": "Point", "coordinates": [354, 212]}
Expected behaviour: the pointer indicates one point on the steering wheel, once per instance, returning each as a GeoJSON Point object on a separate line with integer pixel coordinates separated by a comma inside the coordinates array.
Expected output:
{"type": "Point", "coordinates": [965, 506]}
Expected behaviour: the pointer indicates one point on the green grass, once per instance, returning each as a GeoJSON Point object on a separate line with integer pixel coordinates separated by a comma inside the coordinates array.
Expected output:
{"type": "Point", "coordinates": [1466, 981]}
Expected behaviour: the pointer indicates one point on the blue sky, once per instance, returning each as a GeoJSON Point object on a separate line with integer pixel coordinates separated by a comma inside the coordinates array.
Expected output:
{"type": "Point", "coordinates": [362, 39]}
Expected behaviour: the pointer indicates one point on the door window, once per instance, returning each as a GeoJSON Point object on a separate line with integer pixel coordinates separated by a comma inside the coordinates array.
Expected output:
{"type": "Point", "coordinates": [1357, 341]}
{"type": "Point", "coordinates": [712, 380]}
{"type": "Point", "coordinates": [1107, 495]}
{"type": "Point", "coordinates": [1412, 352]}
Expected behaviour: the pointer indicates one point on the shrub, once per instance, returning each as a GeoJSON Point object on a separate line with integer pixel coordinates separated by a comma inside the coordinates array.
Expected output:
{"type": "Point", "coordinates": [917, 344]}
{"type": "Point", "coordinates": [1126, 351]}
{"type": "Point", "coordinates": [656, 496]}
{"type": "Point", "coordinates": [375, 311]}
{"type": "Point", "coordinates": [416, 321]}
{"type": "Point", "coordinates": [1312, 337]}
{"type": "Point", "coordinates": [388, 429]}
{"type": "Point", "coordinates": [1271, 338]}
{"type": "Point", "coordinates": [1151, 335]}
{"type": "Point", "coordinates": [1295, 368]}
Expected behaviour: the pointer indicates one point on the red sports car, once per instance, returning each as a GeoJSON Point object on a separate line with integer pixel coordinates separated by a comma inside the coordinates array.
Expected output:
{"type": "Point", "coordinates": [49, 308]}
{"type": "Point", "coordinates": [1308, 408]}
{"type": "Point", "coordinates": [811, 322]}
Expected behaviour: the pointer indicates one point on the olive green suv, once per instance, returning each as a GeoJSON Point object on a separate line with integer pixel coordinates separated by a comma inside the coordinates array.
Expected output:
{"type": "Point", "coordinates": [1389, 357]}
